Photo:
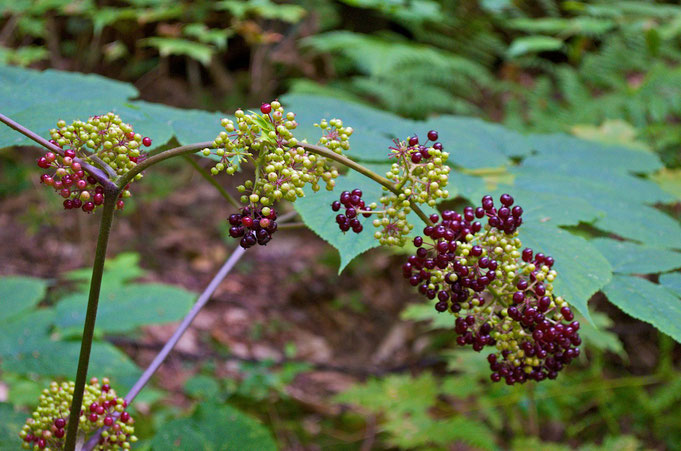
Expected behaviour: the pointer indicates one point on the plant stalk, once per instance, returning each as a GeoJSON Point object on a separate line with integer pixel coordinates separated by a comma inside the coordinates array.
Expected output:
{"type": "Point", "coordinates": [110, 198]}
{"type": "Point", "coordinates": [170, 153]}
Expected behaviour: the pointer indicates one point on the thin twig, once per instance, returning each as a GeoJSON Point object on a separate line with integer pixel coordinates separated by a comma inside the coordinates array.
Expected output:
{"type": "Point", "coordinates": [110, 197]}
{"type": "Point", "coordinates": [181, 329]}
{"type": "Point", "coordinates": [97, 173]}
{"type": "Point", "coordinates": [170, 153]}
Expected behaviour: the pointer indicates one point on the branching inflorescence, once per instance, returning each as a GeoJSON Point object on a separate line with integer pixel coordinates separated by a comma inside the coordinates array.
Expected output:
{"type": "Point", "coordinates": [501, 296]}
{"type": "Point", "coordinates": [45, 430]}
{"type": "Point", "coordinates": [105, 142]}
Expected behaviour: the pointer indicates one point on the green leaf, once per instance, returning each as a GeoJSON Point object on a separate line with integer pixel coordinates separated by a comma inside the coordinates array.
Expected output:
{"type": "Point", "coordinates": [176, 46]}
{"type": "Point", "coordinates": [582, 270]}
{"type": "Point", "coordinates": [118, 271]}
{"type": "Point", "coordinates": [672, 282]}
{"type": "Point", "coordinates": [669, 181]}
{"type": "Point", "coordinates": [472, 143]}
{"type": "Point", "coordinates": [211, 428]}
{"type": "Point", "coordinates": [595, 333]}
{"type": "Point", "coordinates": [144, 304]}
{"type": "Point", "coordinates": [640, 223]}
{"type": "Point", "coordinates": [25, 333]}
{"type": "Point", "coordinates": [10, 426]}
{"type": "Point", "coordinates": [203, 387]}
{"type": "Point", "coordinates": [458, 429]}
{"type": "Point", "coordinates": [648, 302]}
{"type": "Point", "coordinates": [562, 152]}
{"type": "Point", "coordinates": [397, 394]}
{"type": "Point", "coordinates": [550, 209]}
{"type": "Point", "coordinates": [19, 294]}
{"type": "Point", "coordinates": [533, 44]}
{"type": "Point", "coordinates": [631, 258]}
{"type": "Point", "coordinates": [427, 312]}
{"type": "Point", "coordinates": [315, 210]}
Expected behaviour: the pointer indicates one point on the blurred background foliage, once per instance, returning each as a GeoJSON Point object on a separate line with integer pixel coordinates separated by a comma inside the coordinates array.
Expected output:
{"type": "Point", "coordinates": [604, 70]}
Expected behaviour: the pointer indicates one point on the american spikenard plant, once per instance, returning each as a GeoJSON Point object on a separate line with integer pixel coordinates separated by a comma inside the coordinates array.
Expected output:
{"type": "Point", "coordinates": [501, 296]}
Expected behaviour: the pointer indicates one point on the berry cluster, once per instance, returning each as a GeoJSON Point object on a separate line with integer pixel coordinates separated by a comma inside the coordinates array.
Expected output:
{"type": "Point", "coordinates": [46, 428]}
{"type": "Point", "coordinates": [354, 206]}
{"type": "Point", "coordinates": [421, 175]}
{"type": "Point", "coordinates": [500, 296]}
{"type": "Point", "coordinates": [104, 142]}
{"type": "Point", "coordinates": [253, 226]}
{"type": "Point", "coordinates": [282, 167]}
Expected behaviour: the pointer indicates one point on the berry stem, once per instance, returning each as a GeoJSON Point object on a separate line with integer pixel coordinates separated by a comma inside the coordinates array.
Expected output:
{"type": "Point", "coordinates": [170, 153]}
{"type": "Point", "coordinates": [323, 151]}
{"type": "Point", "coordinates": [100, 176]}
{"type": "Point", "coordinates": [110, 198]}
{"type": "Point", "coordinates": [212, 181]}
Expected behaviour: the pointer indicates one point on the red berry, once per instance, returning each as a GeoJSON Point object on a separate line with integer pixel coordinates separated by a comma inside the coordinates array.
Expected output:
{"type": "Point", "coordinates": [70, 153]}
{"type": "Point", "coordinates": [108, 421]}
{"type": "Point", "coordinates": [432, 135]}
{"type": "Point", "coordinates": [88, 207]}
{"type": "Point", "coordinates": [120, 204]}
{"type": "Point", "coordinates": [42, 443]}
{"type": "Point", "coordinates": [265, 108]}
{"type": "Point", "coordinates": [43, 163]}
{"type": "Point", "coordinates": [247, 221]}
{"type": "Point", "coordinates": [59, 433]}
{"type": "Point", "coordinates": [413, 140]}
{"type": "Point", "coordinates": [94, 417]}
{"type": "Point", "coordinates": [125, 416]}
{"type": "Point", "coordinates": [146, 141]}
{"type": "Point", "coordinates": [130, 135]}
{"type": "Point", "coordinates": [60, 423]}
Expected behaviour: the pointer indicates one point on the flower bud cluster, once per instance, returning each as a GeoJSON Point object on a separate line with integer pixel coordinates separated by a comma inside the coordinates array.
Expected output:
{"type": "Point", "coordinates": [46, 429]}
{"type": "Point", "coordinates": [421, 175]}
{"type": "Point", "coordinates": [502, 297]}
{"type": "Point", "coordinates": [105, 142]}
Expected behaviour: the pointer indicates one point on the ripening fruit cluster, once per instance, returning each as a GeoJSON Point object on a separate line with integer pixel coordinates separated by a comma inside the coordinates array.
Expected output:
{"type": "Point", "coordinates": [421, 174]}
{"type": "Point", "coordinates": [46, 429]}
{"type": "Point", "coordinates": [282, 167]}
{"type": "Point", "coordinates": [105, 142]}
{"type": "Point", "coordinates": [354, 207]}
{"type": "Point", "coordinates": [253, 226]}
{"type": "Point", "coordinates": [502, 297]}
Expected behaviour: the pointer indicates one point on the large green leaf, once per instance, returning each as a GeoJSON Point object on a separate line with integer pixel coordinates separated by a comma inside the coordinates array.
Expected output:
{"type": "Point", "coordinates": [672, 282]}
{"type": "Point", "coordinates": [60, 359]}
{"type": "Point", "coordinates": [550, 209]}
{"type": "Point", "coordinates": [582, 270]}
{"type": "Point", "coordinates": [621, 213]}
{"type": "Point", "coordinates": [214, 427]}
{"type": "Point", "coordinates": [646, 301]}
{"type": "Point", "coordinates": [315, 210]}
{"type": "Point", "coordinates": [19, 294]}
{"type": "Point", "coordinates": [125, 308]}
{"type": "Point", "coordinates": [562, 152]}
{"type": "Point", "coordinates": [10, 426]}
{"type": "Point", "coordinates": [25, 333]}
{"type": "Point", "coordinates": [631, 258]}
